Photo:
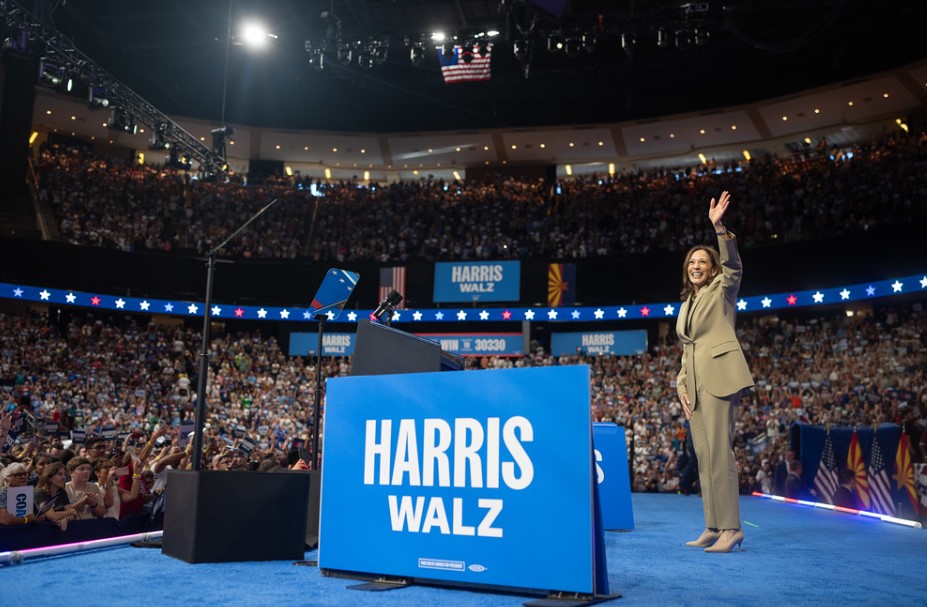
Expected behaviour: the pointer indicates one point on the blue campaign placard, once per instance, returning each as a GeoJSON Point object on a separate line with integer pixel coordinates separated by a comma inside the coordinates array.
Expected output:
{"type": "Point", "coordinates": [464, 281]}
{"type": "Point", "coordinates": [333, 344]}
{"type": "Point", "coordinates": [618, 343]}
{"type": "Point", "coordinates": [474, 477]}
{"type": "Point", "coordinates": [479, 344]}
{"type": "Point", "coordinates": [611, 465]}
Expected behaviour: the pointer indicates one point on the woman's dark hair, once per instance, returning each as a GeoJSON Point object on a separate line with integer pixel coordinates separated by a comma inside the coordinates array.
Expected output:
{"type": "Point", "coordinates": [687, 289]}
{"type": "Point", "coordinates": [49, 471]}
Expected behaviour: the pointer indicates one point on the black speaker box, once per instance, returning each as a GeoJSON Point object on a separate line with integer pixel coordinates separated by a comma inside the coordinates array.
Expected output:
{"type": "Point", "coordinates": [213, 516]}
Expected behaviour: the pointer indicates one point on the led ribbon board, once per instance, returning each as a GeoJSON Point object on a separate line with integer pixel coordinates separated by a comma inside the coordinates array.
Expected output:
{"type": "Point", "coordinates": [459, 477]}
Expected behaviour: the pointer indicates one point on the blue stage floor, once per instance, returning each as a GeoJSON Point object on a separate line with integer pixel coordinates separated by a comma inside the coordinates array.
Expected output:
{"type": "Point", "coordinates": [793, 555]}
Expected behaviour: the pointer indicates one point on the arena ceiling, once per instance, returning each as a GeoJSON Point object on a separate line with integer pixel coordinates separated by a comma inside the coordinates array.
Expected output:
{"type": "Point", "coordinates": [173, 53]}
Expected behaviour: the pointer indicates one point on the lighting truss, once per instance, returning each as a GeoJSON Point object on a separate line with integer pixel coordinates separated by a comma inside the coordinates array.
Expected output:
{"type": "Point", "coordinates": [23, 28]}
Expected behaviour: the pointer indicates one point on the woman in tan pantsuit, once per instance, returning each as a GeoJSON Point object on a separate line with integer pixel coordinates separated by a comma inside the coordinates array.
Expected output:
{"type": "Point", "coordinates": [713, 376]}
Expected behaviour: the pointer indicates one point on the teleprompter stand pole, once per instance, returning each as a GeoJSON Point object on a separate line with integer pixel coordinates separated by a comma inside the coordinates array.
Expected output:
{"type": "Point", "coordinates": [200, 418]}
{"type": "Point", "coordinates": [316, 459]}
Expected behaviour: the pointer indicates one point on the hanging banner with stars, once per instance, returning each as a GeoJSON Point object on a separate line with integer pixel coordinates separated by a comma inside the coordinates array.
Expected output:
{"type": "Point", "coordinates": [893, 287]}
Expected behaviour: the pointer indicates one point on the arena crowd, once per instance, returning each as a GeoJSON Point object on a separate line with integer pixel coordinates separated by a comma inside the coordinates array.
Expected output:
{"type": "Point", "coordinates": [113, 203]}
{"type": "Point", "coordinates": [129, 379]}
{"type": "Point", "coordinates": [104, 400]}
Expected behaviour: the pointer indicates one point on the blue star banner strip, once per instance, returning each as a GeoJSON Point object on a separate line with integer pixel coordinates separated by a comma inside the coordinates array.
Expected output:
{"type": "Point", "coordinates": [894, 287]}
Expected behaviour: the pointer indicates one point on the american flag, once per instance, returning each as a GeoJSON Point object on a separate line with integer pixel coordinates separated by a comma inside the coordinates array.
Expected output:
{"type": "Point", "coordinates": [456, 69]}
{"type": "Point", "coordinates": [825, 481]}
{"type": "Point", "coordinates": [880, 491]}
{"type": "Point", "coordinates": [392, 278]}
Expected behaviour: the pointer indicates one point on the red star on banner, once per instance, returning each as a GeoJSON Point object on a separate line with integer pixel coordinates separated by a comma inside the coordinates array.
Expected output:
{"type": "Point", "coordinates": [645, 311]}
{"type": "Point", "coordinates": [792, 300]}
{"type": "Point", "coordinates": [372, 317]}
{"type": "Point", "coordinates": [506, 315]}
{"type": "Point", "coordinates": [95, 300]}
{"type": "Point", "coordinates": [239, 312]}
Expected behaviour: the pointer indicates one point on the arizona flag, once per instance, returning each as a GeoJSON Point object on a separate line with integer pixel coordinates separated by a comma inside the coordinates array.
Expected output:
{"type": "Point", "coordinates": [561, 284]}
{"type": "Point", "coordinates": [904, 477]}
{"type": "Point", "coordinates": [468, 63]}
{"type": "Point", "coordinates": [857, 465]}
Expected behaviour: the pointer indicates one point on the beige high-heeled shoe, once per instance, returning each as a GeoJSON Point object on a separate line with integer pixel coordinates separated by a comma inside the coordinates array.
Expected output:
{"type": "Point", "coordinates": [729, 538]}
{"type": "Point", "coordinates": [707, 538]}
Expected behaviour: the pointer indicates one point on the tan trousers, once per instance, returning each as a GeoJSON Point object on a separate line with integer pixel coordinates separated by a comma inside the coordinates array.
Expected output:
{"type": "Point", "coordinates": [712, 426]}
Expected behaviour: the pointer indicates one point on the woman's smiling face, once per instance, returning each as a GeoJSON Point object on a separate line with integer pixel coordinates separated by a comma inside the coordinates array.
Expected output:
{"type": "Point", "coordinates": [699, 269]}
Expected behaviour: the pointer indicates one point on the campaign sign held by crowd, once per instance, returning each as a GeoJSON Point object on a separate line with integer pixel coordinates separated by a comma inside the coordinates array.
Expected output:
{"type": "Point", "coordinates": [475, 477]}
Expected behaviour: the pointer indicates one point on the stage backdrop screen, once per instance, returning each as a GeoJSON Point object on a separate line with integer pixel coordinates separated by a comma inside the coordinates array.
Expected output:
{"type": "Point", "coordinates": [480, 477]}
{"type": "Point", "coordinates": [465, 281]}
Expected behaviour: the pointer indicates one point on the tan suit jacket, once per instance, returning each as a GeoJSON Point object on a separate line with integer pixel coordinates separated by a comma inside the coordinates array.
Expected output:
{"type": "Point", "coordinates": [712, 359]}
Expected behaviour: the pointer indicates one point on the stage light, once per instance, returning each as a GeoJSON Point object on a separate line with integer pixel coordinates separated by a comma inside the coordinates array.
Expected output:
{"type": "Point", "coordinates": [702, 36]}
{"type": "Point", "coordinates": [255, 35]}
{"type": "Point", "coordinates": [48, 72]}
{"type": "Point", "coordinates": [158, 139]}
{"type": "Point", "coordinates": [683, 39]}
{"type": "Point", "coordinates": [97, 97]}
{"type": "Point", "coordinates": [365, 58]}
{"type": "Point", "coordinates": [343, 54]}
{"type": "Point", "coordinates": [663, 38]}
{"type": "Point", "coordinates": [120, 120]}
{"type": "Point", "coordinates": [589, 42]}
{"type": "Point", "coordinates": [522, 48]}
{"type": "Point", "coordinates": [417, 54]}
{"type": "Point", "coordinates": [55, 75]}
{"type": "Point", "coordinates": [175, 161]}
{"type": "Point", "coordinates": [317, 59]}
{"type": "Point", "coordinates": [379, 50]}
{"type": "Point", "coordinates": [573, 46]}
{"type": "Point", "coordinates": [219, 137]}
{"type": "Point", "coordinates": [628, 43]}
{"type": "Point", "coordinates": [554, 43]}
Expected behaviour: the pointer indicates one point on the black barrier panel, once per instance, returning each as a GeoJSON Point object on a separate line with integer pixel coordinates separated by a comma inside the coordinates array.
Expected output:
{"type": "Point", "coordinates": [215, 516]}
{"type": "Point", "coordinates": [23, 537]}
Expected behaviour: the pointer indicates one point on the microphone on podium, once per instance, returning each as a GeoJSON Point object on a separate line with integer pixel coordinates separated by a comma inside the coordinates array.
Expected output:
{"type": "Point", "coordinates": [386, 306]}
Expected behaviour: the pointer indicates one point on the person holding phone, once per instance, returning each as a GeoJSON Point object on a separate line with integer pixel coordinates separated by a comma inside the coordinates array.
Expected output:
{"type": "Point", "coordinates": [106, 480]}
{"type": "Point", "coordinates": [134, 488]}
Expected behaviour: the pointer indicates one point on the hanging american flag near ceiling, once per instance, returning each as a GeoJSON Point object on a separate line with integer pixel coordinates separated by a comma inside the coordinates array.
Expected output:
{"type": "Point", "coordinates": [468, 63]}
